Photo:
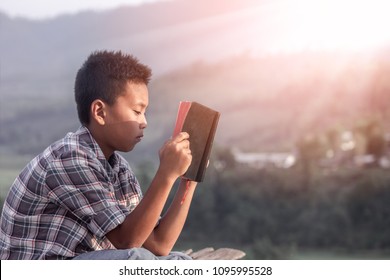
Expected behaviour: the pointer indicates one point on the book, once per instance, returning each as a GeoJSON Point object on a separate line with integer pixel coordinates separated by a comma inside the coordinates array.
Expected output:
{"type": "Point", "coordinates": [200, 122]}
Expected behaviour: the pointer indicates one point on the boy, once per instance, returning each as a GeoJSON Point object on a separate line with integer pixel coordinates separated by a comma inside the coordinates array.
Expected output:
{"type": "Point", "coordinates": [79, 199]}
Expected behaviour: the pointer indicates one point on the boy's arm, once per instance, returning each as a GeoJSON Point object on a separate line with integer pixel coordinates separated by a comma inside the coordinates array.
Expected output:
{"type": "Point", "coordinates": [175, 158]}
{"type": "Point", "coordinates": [165, 235]}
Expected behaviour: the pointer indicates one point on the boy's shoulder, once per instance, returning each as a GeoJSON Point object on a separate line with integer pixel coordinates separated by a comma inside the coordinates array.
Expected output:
{"type": "Point", "coordinates": [77, 148]}
{"type": "Point", "coordinates": [79, 141]}
{"type": "Point", "coordinates": [74, 147]}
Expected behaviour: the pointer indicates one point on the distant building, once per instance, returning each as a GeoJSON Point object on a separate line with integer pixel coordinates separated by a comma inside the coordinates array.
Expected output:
{"type": "Point", "coordinates": [263, 160]}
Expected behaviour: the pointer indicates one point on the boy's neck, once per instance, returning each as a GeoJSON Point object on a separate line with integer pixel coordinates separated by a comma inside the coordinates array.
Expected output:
{"type": "Point", "coordinates": [100, 139]}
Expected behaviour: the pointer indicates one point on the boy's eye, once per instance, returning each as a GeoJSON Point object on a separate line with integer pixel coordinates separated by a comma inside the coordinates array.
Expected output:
{"type": "Point", "coordinates": [137, 112]}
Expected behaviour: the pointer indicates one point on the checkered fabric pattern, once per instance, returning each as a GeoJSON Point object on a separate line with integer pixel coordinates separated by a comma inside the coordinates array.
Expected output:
{"type": "Point", "coordinates": [65, 201]}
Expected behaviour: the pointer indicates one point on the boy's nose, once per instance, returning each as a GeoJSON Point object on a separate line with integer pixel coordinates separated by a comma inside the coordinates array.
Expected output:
{"type": "Point", "coordinates": [143, 124]}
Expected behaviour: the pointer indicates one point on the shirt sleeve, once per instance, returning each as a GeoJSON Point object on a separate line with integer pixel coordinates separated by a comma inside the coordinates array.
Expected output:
{"type": "Point", "coordinates": [79, 184]}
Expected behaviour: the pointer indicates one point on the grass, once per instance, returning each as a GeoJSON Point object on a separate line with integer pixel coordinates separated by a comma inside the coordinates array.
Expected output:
{"type": "Point", "coordinates": [339, 254]}
{"type": "Point", "coordinates": [6, 179]}
{"type": "Point", "coordinates": [10, 167]}
{"type": "Point", "coordinates": [287, 252]}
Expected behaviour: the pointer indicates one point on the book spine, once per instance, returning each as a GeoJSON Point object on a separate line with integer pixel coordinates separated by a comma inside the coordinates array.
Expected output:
{"type": "Point", "coordinates": [207, 151]}
{"type": "Point", "coordinates": [182, 112]}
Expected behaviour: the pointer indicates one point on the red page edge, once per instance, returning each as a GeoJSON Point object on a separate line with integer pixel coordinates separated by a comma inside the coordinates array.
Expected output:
{"type": "Point", "coordinates": [184, 107]}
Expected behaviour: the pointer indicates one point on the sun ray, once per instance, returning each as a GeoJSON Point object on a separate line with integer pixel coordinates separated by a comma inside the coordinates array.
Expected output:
{"type": "Point", "coordinates": [331, 24]}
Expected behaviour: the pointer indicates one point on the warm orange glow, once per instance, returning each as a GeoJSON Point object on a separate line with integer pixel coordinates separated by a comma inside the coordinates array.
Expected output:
{"type": "Point", "coordinates": [330, 24]}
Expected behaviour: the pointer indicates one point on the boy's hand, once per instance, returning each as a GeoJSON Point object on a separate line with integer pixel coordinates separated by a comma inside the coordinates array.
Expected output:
{"type": "Point", "coordinates": [175, 155]}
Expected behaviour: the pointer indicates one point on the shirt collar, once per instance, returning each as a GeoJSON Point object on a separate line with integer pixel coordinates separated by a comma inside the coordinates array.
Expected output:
{"type": "Point", "coordinates": [86, 137]}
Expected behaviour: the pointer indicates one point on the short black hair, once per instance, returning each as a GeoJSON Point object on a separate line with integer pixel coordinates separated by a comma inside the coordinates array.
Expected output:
{"type": "Point", "coordinates": [104, 76]}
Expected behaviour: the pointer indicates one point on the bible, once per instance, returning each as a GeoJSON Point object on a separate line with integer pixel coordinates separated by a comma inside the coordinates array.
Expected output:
{"type": "Point", "coordinates": [200, 122]}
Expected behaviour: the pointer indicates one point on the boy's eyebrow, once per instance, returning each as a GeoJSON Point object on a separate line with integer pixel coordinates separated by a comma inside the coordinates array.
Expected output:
{"type": "Point", "coordinates": [142, 104]}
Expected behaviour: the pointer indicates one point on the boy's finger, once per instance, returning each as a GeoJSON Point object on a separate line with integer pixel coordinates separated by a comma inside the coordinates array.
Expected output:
{"type": "Point", "coordinates": [181, 136]}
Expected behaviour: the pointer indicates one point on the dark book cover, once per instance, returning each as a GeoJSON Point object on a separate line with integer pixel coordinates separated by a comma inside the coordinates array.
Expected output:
{"type": "Point", "coordinates": [200, 122]}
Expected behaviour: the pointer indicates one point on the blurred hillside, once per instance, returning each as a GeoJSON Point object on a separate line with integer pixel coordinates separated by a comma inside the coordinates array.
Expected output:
{"type": "Point", "coordinates": [267, 104]}
{"type": "Point", "coordinates": [39, 59]}
{"type": "Point", "coordinates": [163, 34]}
{"type": "Point", "coordinates": [215, 55]}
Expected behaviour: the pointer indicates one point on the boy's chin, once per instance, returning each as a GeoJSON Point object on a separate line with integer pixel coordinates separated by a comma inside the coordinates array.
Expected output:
{"type": "Point", "coordinates": [127, 149]}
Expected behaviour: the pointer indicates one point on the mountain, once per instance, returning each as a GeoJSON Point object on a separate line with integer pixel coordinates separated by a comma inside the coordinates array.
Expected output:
{"type": "Point", "coordinates": [163, 34]}
{"type": "Point", "coordinates": [213, 52]}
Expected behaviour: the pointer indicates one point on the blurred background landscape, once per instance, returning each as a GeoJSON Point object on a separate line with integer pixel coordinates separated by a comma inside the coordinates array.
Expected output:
{"type": "Point", "coordinates": [301, 160]}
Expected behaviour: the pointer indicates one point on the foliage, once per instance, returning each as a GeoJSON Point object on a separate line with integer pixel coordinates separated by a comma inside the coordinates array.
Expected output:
{"type": "Point", "coordinates": [269, 212]}
{"type": "Point", "coordinates": [270, 215]}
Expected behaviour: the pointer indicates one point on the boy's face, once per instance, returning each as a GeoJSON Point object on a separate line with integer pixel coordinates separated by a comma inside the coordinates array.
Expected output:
{"type": "Point", "coordinates": [125, 120]}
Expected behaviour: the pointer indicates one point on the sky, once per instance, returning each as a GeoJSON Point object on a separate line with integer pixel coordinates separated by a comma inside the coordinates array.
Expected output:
{"type": "Point", "coordinates": [333, 24]}
{"type": "Point", "coordinates": [42, 9]}
{"type": "Point", "coordinates": [297, 24]}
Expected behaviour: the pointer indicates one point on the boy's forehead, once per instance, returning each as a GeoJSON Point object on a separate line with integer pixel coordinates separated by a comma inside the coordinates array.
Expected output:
{"type": "Point", "coordinates": [137, 94]}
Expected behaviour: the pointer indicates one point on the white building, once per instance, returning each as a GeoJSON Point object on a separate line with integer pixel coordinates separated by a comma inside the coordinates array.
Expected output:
{"type": "Point", "coordinates": [262, 160]}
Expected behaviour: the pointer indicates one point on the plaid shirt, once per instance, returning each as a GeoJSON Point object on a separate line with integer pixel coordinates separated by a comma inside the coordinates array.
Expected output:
{"type": "Point", "coordinates": [66, 200]}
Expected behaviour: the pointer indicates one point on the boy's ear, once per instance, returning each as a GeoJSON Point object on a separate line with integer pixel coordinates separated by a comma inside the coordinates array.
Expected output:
{"type": "Point", "coordinates": [98, 111]}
